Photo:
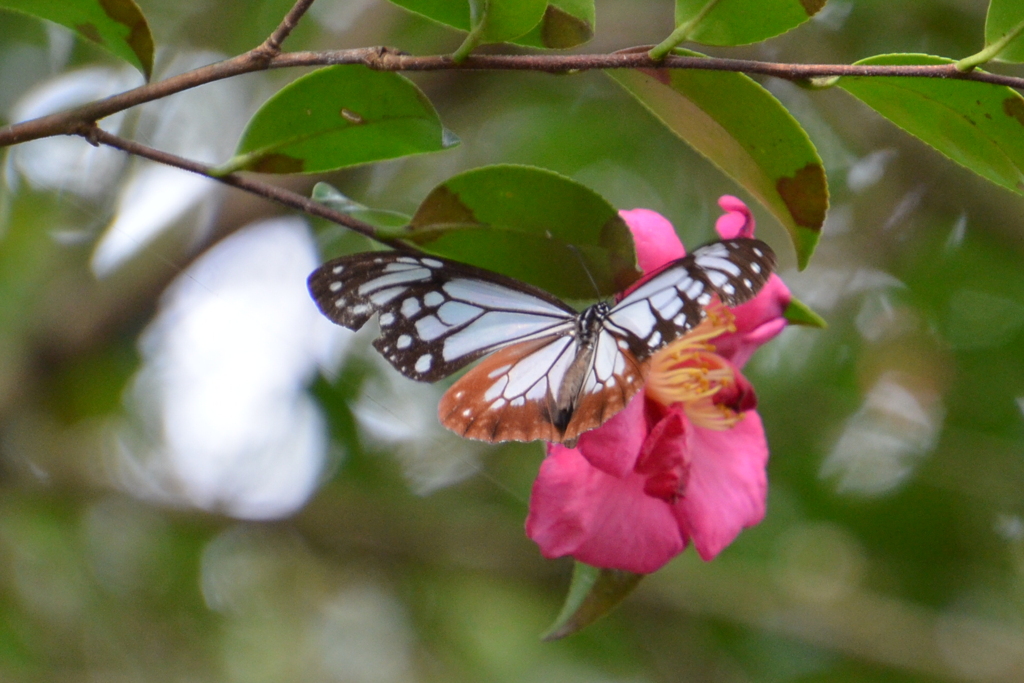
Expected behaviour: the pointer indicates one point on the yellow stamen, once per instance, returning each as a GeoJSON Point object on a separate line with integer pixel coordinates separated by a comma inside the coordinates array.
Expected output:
{"type": "Point", "coordinates": [688, 371]}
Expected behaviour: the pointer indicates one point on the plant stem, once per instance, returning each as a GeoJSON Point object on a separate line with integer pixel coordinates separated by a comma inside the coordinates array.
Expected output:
{"type": "Point", "coordinates": [991, 52]}
{"type": "Point", "coordinates": [681, 33]}
{"type": "Point", "coordinates": [385, 59]}
{"type": "Point", "coordinates": [293, 200]}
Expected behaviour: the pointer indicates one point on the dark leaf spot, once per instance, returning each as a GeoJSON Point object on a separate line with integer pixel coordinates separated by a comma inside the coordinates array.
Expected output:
{"type": "Point", "coordinates": [1014, 106]}
{"type": "Point", "coordinates": [139, 38]}
{"type": "Point", "coordinates": [90, 32]}
{"type": "Point", "coordinates": [277, 163]}
{"type": "Point", "coordinates": [560, 29]}
{"type": "Point", "coordinates": [812, 7]}
{"type": "Point", "coordinates": [806, 196]}
{"type": "Point", "coordinates": [441, 207]}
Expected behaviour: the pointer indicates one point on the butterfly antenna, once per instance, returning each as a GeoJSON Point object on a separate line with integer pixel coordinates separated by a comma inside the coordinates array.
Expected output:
{"type": "Point", "coordinates": [590, 276]}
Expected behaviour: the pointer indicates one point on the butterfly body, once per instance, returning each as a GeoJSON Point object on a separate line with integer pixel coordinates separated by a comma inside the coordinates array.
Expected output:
{"type": "Point", "coordinates": [548, 372]}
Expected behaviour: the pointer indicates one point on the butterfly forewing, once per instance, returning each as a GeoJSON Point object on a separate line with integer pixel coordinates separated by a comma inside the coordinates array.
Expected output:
{"type": "Point", "coordinates": [670, 302]}
{"type": "Point", "coordinates": [435, 315]}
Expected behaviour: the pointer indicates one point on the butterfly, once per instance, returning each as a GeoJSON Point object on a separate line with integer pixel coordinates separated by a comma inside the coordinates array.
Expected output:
{"type": "Point", "coordinates": [548, 371]}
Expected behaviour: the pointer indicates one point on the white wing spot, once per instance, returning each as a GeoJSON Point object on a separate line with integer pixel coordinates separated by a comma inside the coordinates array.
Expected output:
{"type": "Point", "coordinates": [337, 269]}
{"type": "Point", "coordinates": [456, 313]}
{"type": "Point", "coordinates": [679, 320]}
{"type": "Point", "coordinates": [756, 267]}
{"type": "Point", "coordinates": [500, 403]}
{"type": "Point", "coordinates": [717, 263]}
{"type": "Point", "coordinates": [467, 412]}
{"type": "Point", "coordinates": [537, 391]}
{"type": "Point", "coordinates": [360, 309]}
{"type": "Point", "coordinates": [433, 299]}
{"type": "Point", "coordinates": [385, 295]}
{"type": "Point", "coordinates": [758, 252]}
{"type": "Point", "coordinates": [498, 371]}
{"type": "Point", "coordinates": [494, 391]}
{"type": "Point", "coordinates": [399, 266]}
{"type": "Point", "coordinates": [338, 303]}
{"type": "Point", "coordinates": [748, 283]}
{"type": "Point", "coordinates": [655, 339]}
{"type": "Point", "coordinates": [728, 288]}
{"type": "Point", "coordinates": [424, 362]}
{"type": "Point", "coordinates": [623, 345]}
{"type": "Point", "coordinates": [694, 290]}
{"type": "Point", "coordinates": [392, 279]}
{"type": "Point", "coordinates": [433, 263]}
{"type": "Point", "coordinates": [334, 286]}
{"type": "Point", "coordinates": [460, 393]}
{"type": "Point", "coordinates": [517, 401]}
{"type": "Point", "coordinates": [430, 328]}
{"type": "Point", "coordinates": [407, 259]}
{"type": "Point", "coordinates": [387, 318]}
{"type": "Point", "coordinates": [704, 299]}
{"type": "Point", "coordinates": [410, 307]}
{"type": "Point", "coordinates": [404, 341]}
{"type": "Point", "coordinates": [717, 277]}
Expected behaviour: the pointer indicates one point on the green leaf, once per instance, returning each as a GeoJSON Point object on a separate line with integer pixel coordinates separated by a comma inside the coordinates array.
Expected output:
{"type": "Point", "coordinates": [741, 128]}
{"type": "Point", "coordinates": [566, 23]}
{"type": "Point", "coordinates": [740, 22]}
{"type": "Point", "coordinates": [498, 20]}
{"type": "Point", "coordinates": [330, 196]}
{"type": "Point", "coordinates": [116, 25]}
{"type": "Point", "coordinates": [799, 313]}
{"type": "Point", "coordinates": [593, 593]}
{"type": "Point", "coordinates": [1006, 20]}
{"type": "Point", "coordinates": [977, 125]}
{"type": "Point", "coordinates": [531, 224]}
{"type": "Point", "coordinates": [336, 117]}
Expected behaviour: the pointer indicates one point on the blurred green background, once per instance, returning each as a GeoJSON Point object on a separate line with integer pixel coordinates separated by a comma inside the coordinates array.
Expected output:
{"type": "Point", "coordinates": [201, 480]}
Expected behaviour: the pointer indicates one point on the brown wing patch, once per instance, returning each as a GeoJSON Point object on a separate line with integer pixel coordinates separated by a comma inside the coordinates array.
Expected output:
{"type": "Point", "coordinates": [468, 409]}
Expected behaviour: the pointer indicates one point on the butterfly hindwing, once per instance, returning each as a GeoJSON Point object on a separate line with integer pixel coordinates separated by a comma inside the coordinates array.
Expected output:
{"type": "Point", "coordinates": [614, 378]}
{"type": "Point", "coordinates": [435, 315]}
{"type": "Point", "coordinates": [507, 397]}
{"type": "Point", "coordinates": [510, 395]}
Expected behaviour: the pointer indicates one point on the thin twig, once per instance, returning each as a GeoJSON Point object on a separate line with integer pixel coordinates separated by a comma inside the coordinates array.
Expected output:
{"type": "Point", "coordinates": [385, 59]}
{"type": "Point", "coordinates": [96, 135]}
{"type": "Point", "coordinates": [272, 45]}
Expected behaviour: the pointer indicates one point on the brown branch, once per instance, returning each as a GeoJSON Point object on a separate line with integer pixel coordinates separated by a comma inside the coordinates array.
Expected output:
{"type": "Point", "coordinates": [97, 136]}
{"type": "Point", "coordinates": [272, 45]}
{"type": "Point", "coordinates": [385, 59]}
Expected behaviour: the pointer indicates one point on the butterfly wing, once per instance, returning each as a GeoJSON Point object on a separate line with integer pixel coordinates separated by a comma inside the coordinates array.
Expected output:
{"type": "Point", "coordinates": [435, 315]}
{"type": "Point", "coordinates": [670, 302]}
{"type": "Point", "coordinates": [510, 395]}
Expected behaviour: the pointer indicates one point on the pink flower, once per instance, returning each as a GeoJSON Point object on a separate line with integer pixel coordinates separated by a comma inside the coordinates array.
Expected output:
{"type": "Point", "coordinates": [685, 460]}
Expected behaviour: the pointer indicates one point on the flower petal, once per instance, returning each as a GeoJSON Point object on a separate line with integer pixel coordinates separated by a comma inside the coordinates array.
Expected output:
{"type": "Point", "coordinates": [737, 221]}
{"type": "Point", "coordinates": [656, 240]}
{"type": "Point", "coordinates": [604, 521]}
{"type": "Point", "coordinates": [614, 446]}
{"type": "Point", "coordinates": [727, 484]}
